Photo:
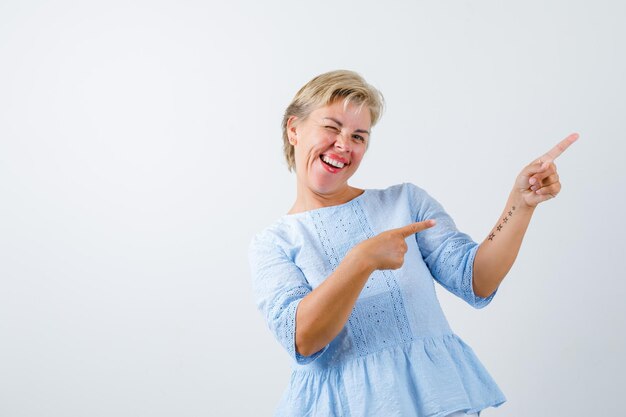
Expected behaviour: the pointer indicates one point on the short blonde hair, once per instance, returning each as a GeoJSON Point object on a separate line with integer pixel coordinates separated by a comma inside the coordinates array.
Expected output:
{"type": "Point", "coordinates": [325, 89]}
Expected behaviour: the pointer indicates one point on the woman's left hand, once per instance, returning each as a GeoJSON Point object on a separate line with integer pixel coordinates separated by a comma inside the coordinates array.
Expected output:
{"type": "Point", "coordinates": [539, 181]}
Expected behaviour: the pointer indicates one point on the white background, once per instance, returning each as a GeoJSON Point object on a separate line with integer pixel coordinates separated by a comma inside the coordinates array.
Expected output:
{"type": "Point", "coordinates": [140, 150]}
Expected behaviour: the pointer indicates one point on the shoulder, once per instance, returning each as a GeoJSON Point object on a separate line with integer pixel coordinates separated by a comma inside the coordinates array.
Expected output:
{"type": "Point", "coordinates": [398, 189]}
{"type": "Point", "coordinates": [413, 198]}
{"type": "Point", "coordinates": [272, 234]}
{"type": "Point", "coordinates": [405, 191]}
{"type": "Point", "coordinates": [280, 237]}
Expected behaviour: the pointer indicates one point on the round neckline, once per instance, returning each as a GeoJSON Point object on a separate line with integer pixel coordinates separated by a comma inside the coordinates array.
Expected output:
{"type": "Point", "coordinates": [287, 215]}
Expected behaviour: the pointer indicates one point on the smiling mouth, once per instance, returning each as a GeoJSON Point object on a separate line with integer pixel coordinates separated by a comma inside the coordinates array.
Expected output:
{"type": "Point", "coordinates": [332, 162]}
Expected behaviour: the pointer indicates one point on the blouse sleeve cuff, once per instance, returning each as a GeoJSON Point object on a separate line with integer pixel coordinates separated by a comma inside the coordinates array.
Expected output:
{"type": "Point", "coordinates": [300, 359]}
{"type": "Point", "coordinates": [473, 299]}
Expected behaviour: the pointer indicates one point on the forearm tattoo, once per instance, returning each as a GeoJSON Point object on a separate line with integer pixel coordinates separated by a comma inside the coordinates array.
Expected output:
{"type": "Point", "coordinates": [503, 223]}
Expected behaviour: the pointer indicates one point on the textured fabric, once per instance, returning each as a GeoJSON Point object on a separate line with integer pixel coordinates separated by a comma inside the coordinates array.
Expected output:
{"type": "Point", "coordinates": [396, 355]}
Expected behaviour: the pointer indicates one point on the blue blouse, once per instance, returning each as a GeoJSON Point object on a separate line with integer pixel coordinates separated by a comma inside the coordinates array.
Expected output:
{"type": "Point", "coordinates": [396, 355]}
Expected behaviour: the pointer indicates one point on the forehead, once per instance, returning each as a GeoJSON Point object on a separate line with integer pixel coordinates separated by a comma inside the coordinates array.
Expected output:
{"type": "Point", "coordinates": [349, 114]}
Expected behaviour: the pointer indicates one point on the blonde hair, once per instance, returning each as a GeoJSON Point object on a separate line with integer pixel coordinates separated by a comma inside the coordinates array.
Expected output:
{"type": "Point", "coordinates": [324, 90]}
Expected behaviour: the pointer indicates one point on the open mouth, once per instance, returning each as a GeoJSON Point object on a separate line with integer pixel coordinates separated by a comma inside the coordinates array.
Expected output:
{"type": "Point", "coordinates": [333, 163]}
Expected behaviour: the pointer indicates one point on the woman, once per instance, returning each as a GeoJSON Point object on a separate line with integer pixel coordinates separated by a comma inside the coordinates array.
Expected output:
{"type": "Point", "coordinates": [345, 280]}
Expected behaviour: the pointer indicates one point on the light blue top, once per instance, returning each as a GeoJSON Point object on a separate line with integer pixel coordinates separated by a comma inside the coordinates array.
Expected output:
{"type": "Point", "coordinates": [396, 355]}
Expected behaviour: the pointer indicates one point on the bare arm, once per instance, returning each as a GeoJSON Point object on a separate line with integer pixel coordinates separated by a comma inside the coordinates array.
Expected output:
{"type": "Point", "coordinates": [498, 251]}
{"type": "Point", "coordinates": [536, 183]}
{"type": "Point", "coordinates": [324, 311]}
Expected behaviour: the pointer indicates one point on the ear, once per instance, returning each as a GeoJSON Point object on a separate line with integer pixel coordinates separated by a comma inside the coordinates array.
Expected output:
{"type": "Point", "coordinates": [292, 134]}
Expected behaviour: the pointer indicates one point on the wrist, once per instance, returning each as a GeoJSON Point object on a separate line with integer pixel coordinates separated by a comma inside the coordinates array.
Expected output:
{"type": "Point", "coordinates": [517, 200]}
{"type": "Point", "coordinates": [358, 257]}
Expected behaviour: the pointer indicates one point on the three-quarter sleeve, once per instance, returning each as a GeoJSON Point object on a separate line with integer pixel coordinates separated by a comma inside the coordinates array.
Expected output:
{"type": "Point", "coordinates": [279, 286]}
{"type": "Point", "coordinates": [448, 253]}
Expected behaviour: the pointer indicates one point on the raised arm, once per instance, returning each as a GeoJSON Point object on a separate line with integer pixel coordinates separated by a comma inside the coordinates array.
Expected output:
{"type": "Point", "coordinates": [324, 311]}
{"type": "Point", "coordinates": [538, 182]}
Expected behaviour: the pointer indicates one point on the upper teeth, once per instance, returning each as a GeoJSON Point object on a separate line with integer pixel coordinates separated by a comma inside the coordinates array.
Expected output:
{"type": "Point", "coordinates": [332, 162]}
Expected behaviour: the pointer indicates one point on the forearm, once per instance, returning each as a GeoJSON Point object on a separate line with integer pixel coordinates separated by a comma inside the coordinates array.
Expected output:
{"type": "Point", "coordinates": [498, 251]}
{"type": "Point", "coordinates": [323, 313]}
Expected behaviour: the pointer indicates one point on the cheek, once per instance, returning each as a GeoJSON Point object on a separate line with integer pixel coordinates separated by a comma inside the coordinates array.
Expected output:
{"type": "Point", "coordinates": [358, 154]}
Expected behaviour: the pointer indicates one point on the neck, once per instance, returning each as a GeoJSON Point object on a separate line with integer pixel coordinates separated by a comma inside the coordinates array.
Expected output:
{"type": "Point", "coordinates": [307, 199]}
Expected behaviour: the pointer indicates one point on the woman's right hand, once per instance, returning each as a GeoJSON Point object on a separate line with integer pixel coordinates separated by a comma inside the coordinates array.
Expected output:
{"type": "Point", "coordinates": [324, 312]}
{"type": "Point", "coordinates": [386, 250]}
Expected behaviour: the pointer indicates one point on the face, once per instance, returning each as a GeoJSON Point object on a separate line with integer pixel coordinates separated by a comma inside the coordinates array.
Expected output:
{"type": "Point", "coordinates": [329, 146]}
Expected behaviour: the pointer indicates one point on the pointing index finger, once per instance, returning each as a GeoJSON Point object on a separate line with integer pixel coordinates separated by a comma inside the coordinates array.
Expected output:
{"type": "Point", "coordinates": [414, 228]}
{"type": "Point", "coordinates": [560, 147]}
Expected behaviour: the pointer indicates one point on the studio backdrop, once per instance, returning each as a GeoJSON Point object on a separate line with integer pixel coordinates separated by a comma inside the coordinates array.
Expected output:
{"type": "Point", "coordinates": [140, 151]}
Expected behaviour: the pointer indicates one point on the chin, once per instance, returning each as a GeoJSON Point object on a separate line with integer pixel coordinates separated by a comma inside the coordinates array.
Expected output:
{"type": "Point", "coordinates": [327, 187]}
{"type": "Point", "coordinates": [322, 182]}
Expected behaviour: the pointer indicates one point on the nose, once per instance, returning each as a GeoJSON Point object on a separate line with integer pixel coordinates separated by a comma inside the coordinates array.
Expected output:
{"type": "Point", "coordinates": [343, 142]}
